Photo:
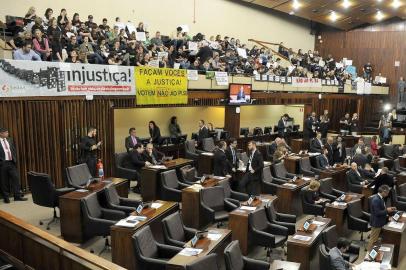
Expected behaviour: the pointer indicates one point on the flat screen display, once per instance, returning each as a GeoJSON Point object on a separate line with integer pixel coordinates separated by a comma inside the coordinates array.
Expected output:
{"type": "Point", "coordinates": [240, 93]}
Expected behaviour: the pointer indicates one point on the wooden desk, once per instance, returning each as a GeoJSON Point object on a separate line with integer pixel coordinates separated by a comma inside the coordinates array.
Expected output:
{"type": "Point", "coordinates": [191, 208]}
{"type": "Point", "coordinates": [151, 179]}
{"type": "Point", "coordinates": [32, 248]}
{"type": "Point", "coordinates": [306, 252]}
{"type": "Point", "coordinates": [400, 178]}
{"type": "Point", "coordinates": [338, 213]}
{"type": "Point", "coordinates": [387, 258]}
{"type": "Point", "coordinates": [292, 164]}
{"type": "Point", "coordinates": [70, 210]}
{"type": "Point", "coordinates": [289, 197]}
{"type": "Point", "coordinates": [393, 236]}
{"type": "Point", "coordinates": [277, 264]}
{"type": "Point", "coordinates": [205, 163]}
{"type": "Point", "coordinates": [174, 150]}
{"type": "Point", "coordinates": [122, 250]}
{"type": "Point", "coordinates": [208, 246]}
{"type": "Point", "coordinates": [367, 192]}
{"type": "Point", "coordinates": [238, 224]}
{"type": "Point", "coordinates": [339, 177]}
{"type": "Point", "coordinates": [402, 161]}
{"type": "Point", "coordinates": [299, 144]}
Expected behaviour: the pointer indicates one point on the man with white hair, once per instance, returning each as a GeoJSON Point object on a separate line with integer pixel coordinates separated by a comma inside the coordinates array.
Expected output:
{"type": "Point", "coordinates": [354, 176]}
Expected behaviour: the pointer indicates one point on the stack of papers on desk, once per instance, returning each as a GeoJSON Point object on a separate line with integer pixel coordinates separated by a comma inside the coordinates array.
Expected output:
{"type": "Point", "coordinates": [368, 266]}
{"type": "Point", "coordinates": [395, 225]}
{"type": "Point", "coordinates": [339, 204]}
{"type": "Point", "coordinates": [384, 249]}
{"type": "Point", "coordinates": [214, 235]}
{"type": "Point", "coordinates": [157, 167]}
{"type": "Point", "coordinates": [156, 205]}
{"type": "Point", "coordinates": [207, 154]}
{"type": "Point", "coordinates": [219, 177]}
{"type": "Point", "coordinates": [313, 154]}
{"type": "Point", "coordinates": [318, 223]}
{"type": "Point", "coordinates": [302, 237]}
{"type": "Point", "coordinates": [82, 190]}
{"type": "Point", "coordinates": [248, 208]}
{"type": "Point", "coordinates": [289, 185]}
{"type": "Point", "coordinates": [129, 222]}
{"type": "Point", "coordinates": [306, 178]}
{"type": "Point", "coordinates": [190, 252]}
{"type": "Point", "coordinates": [267, 163]}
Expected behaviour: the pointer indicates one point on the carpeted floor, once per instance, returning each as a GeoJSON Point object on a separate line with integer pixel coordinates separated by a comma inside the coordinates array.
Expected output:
{"type": "Point", "coordinates": [36, 213]}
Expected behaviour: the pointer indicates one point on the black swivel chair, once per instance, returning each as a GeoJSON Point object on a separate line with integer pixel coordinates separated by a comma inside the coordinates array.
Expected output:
{"type": "Point", "coordinates": [327, 190]}
{"type": "Point", "coordinates": [190, 150]}
{"type": "Point", "coordinates": [286, 220]}
{"type": "Point", "coordinates": [78, 175]}
{"type": "Point", "coordinates": [306, 167]}
{"type": "Point", "coordinates": [387, 151]}
{"type": "Point", "coordinates": [151, 254]}
{"type": "Point", "coordinates": [396, 166]}
{"type": "Point", "coordinates": [115, 202]}
{"type": "Point", "coordinates": [171, 187]}
{"type": "Point", "coordinates": [208, 145]}
{"type": "Point", "coordinates": [330, 237]}
{"type": "Point", "coordinates": [281, 172]}
{"type": "Point", "coordinates": [264, 233]}
{"type": "Point", "coordinates": [396, 201]}
{"type": "Point", "coordinates": [175, 232]}
{"type": "Point", "coordinates": [358, 220]}
{"type": "Point", "coordinates": [310, 208]}
{"type": "Point", "coordinates": [208, 262]}
{"type": "Point", "coordinates": [236, 261]}
{"type": "Point", "coordinates": [215, 207]}
{"type": "Point", "coordinates": [44, 193]}
{"type": "Point", "coordinates": [189, 175]}
{"type": "Point", "coordinates": [324, 258]}
{"type": "Point", "coordinates": [270, 183]}
{"type": "Point", "coordinates": [121, 171]}
{"type": "Point", "coordinates": [97, 220]}
{"type": "Point", "coordinates": [401, 192]}
{"type": "Point", "coordinates": [232, 196]}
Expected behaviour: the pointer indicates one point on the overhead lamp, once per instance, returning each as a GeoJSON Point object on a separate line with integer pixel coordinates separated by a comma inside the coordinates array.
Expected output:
{"type": "Point", "coordinates": [379, 15]}
{"type": "Point", "coordinates": [387, 107]}
{"type": "Point", "coordinates": [346, 3]}
{"type": "Point", "coordinates": [333, 16]}
{"type": "Point", "coordinates": [396, 3]}
{"type": "Point", "coordinates": [296, 4]}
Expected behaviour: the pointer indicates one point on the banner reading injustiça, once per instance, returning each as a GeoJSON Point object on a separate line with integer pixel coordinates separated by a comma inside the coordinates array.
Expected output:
{"type": "Point", "coordinates": [160, 85]}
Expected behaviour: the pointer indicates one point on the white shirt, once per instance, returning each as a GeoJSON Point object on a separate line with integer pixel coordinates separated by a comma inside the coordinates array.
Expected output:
{"type": "Point", "coordinates": [250, 160]}
{"type": "Point", "coordinates": [6, 148]}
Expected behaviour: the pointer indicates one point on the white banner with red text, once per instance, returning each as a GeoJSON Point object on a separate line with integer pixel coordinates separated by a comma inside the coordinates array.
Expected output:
{"type": "Point", "coordinates": [306, 82]}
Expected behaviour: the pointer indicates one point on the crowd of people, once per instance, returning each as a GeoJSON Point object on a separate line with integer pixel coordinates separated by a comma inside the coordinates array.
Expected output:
{"type": "Point", "coordinates": [67, 38]}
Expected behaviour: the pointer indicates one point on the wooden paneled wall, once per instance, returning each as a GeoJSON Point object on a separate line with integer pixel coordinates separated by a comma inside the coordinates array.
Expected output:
{"type": "Point", "coordinates": [381, 44]}
{"type": "Point", "coordinates": [47, 130]}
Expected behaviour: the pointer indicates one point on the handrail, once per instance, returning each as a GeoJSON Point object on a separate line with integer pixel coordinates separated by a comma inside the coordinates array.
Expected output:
{"type": "Point", "coordinates": [262, 43]}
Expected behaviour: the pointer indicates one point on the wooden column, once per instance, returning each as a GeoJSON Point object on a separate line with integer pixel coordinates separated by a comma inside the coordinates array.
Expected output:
{"type": "Point", "coordinates": [232, 121]}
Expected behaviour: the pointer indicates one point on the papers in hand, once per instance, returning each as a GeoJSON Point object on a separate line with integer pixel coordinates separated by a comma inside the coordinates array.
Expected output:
{"type": "Point", "coordinates": [156, 205]}
{"type": "Point", "coordinates": [190, 252]}
{"type": "Point", "coordinates": [302, 237]}
{"type": "Point", "coordinates": [395, 225]}
{"type": "Point", "coordinates": [248, 208]}
{"type": "Point", "coordinates": [129, 222]}
{"type": "Point", "coordinates": [378, 173]}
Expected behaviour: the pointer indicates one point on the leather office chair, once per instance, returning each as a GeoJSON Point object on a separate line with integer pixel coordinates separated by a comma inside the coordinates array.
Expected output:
{"type": "Point", "coordinates": [190, 150]}
{"type": "Point", "coordinates": [324, 258]}
{"type": "Point", "coordinates": [97, 220]}
{"type": "Point", "coordinates": [171, 187]}
{"type": "Point", "coordinates": [189, 175]}
{"type": "Point", "coordinates": [44, 193]}
{"type": "Point", "coordinates": [236, 261]}
{"type": "Point", "coordinates": [306, 167]}
{"type": "Point", "coordinates": [215, 207]}
{"type": "Point", "coordinates": [78, 175]}
{"type": "Point", "coordinates": [264, 233]}
{"type": "Point", "coordinates": [401, 192]}
{"type": "Point", "coordinates": [327, 190]}
{"type": "Point", "coordinates": [396, 166]}
{"type": "Point", "coordinates": [270, 183]}
{"type": "Point", "coordinates": [330, 237]}
{"type": "Point", "coordinates": [396, 201]}
{"type": "Point", "coordinates": [309, 208]}
{"type": "Point", "coordinates": [285, 220]}
{"type": "Point", "coordinates": [151, 254]}
{"type": "Point", "coordinates": [353, 187]}
{"type": "Point", "coordinates": [175, 232]}
{"type": "Point", "coordinates": [387, 151]}
{"type": "Point", "coordinates": [208, 145]}
{"type": "Point", "coordinates": [281, 172]}
{"type": "Point", "coordinates": [358, 220]}
{"type": "Point", "coordinates": [232, 196]}
{"type": "Point", "coordinates": [208, 262]}
{"type": "Point", "coordinates": [120, 170]}
{"type": "Point", "coordinates": [115, 202]}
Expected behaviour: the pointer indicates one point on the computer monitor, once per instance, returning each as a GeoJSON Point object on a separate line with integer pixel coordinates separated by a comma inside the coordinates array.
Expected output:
{"type": "Point", "coordinates": [239, 93]}
{"type": "Point", "coordinates": [296, 128]}
{"type": "Point", "coordinates": [144, 141]}
{"type": "Point", "coordinates": [267, 130]}
{"type": "Point", "coordinates": [165, 140]}
{"type": "Point", "coordinates": [244, 132]}
{"type": "Point", "coordinates": [195, 136]}
{"type": "Point", "coordinates": [257, 131]}
{"type": "Point", "coordinates": [224, 135]}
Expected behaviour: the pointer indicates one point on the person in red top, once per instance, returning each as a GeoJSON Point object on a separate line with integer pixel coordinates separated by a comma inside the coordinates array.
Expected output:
{"type": "Point", "coordinates": [41, 45]}
{"type": "Point", "coordinates": [374, 146]}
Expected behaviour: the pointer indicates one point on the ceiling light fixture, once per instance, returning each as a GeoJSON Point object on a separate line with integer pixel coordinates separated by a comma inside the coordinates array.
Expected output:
{"type": "Point", "coordinates": [296, 4]}
{"type": "Point", "coordinates": [346, 3]}
{"type": "Point", "coordinates": [396, 3]}
{"type": "Point", "coordinates": [379, 15]}
{"type": "Point", "coordinates": [333, 16]}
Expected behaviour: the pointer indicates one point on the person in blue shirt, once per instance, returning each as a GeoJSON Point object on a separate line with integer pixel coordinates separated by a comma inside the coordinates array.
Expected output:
{"type": "Point", "coordinates": [26, 53]}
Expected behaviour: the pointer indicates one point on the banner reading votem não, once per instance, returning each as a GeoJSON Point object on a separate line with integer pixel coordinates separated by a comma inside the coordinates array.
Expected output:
{"type": "Point", "coordinates": [161, 85]}
{"type": "Point", "coordinates": [31, 78]}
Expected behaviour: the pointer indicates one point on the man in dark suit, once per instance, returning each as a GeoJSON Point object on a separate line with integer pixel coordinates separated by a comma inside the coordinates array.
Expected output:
{"type": "Point", "coordinates": [359, 145]}
{"type": "Point", "coordinates": [152, 155]}
{"type": "Point", "coordinates": [253, 174]}
{"type": "Point", "coordinates": [131, 140]}
{"type": "Point", "coordinates": [203, 132]}
{"type": "Point", "coordinates": [379, 214]}
{"type": "Point", "coordinates": [222, 167]}
{"type": "Point", "coordinates": [231, 154]}
{"type": "Point", "coordinates": [329, 146]}
{"type": "Point", "coordinates": [136, 161]}
{"type": "Point", "coordinates": [354, 176]}
{"type": "Point", "coordinates": [339, 150]}
{"type": "Point", "coordinates": [307, 129]}
{"type": "Point", "coordinates": [359, 158]}
{"type": "Point", "coordinates": [283, 125]}
{"type": "Point", "coordinates": [88, 149]}
{"type": "Point", "coordinates": [316, 145]}
{"type": "Point", "coordinates": [323, 159]}
{"type": "Point", "coordinates": [9, 176]}
{"type": "Point", "coordinates": [382, 179]}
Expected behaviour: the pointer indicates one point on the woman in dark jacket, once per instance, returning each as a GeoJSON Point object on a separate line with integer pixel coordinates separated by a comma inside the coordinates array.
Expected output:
{"type": "Point", "coordinates": [154, 133]}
